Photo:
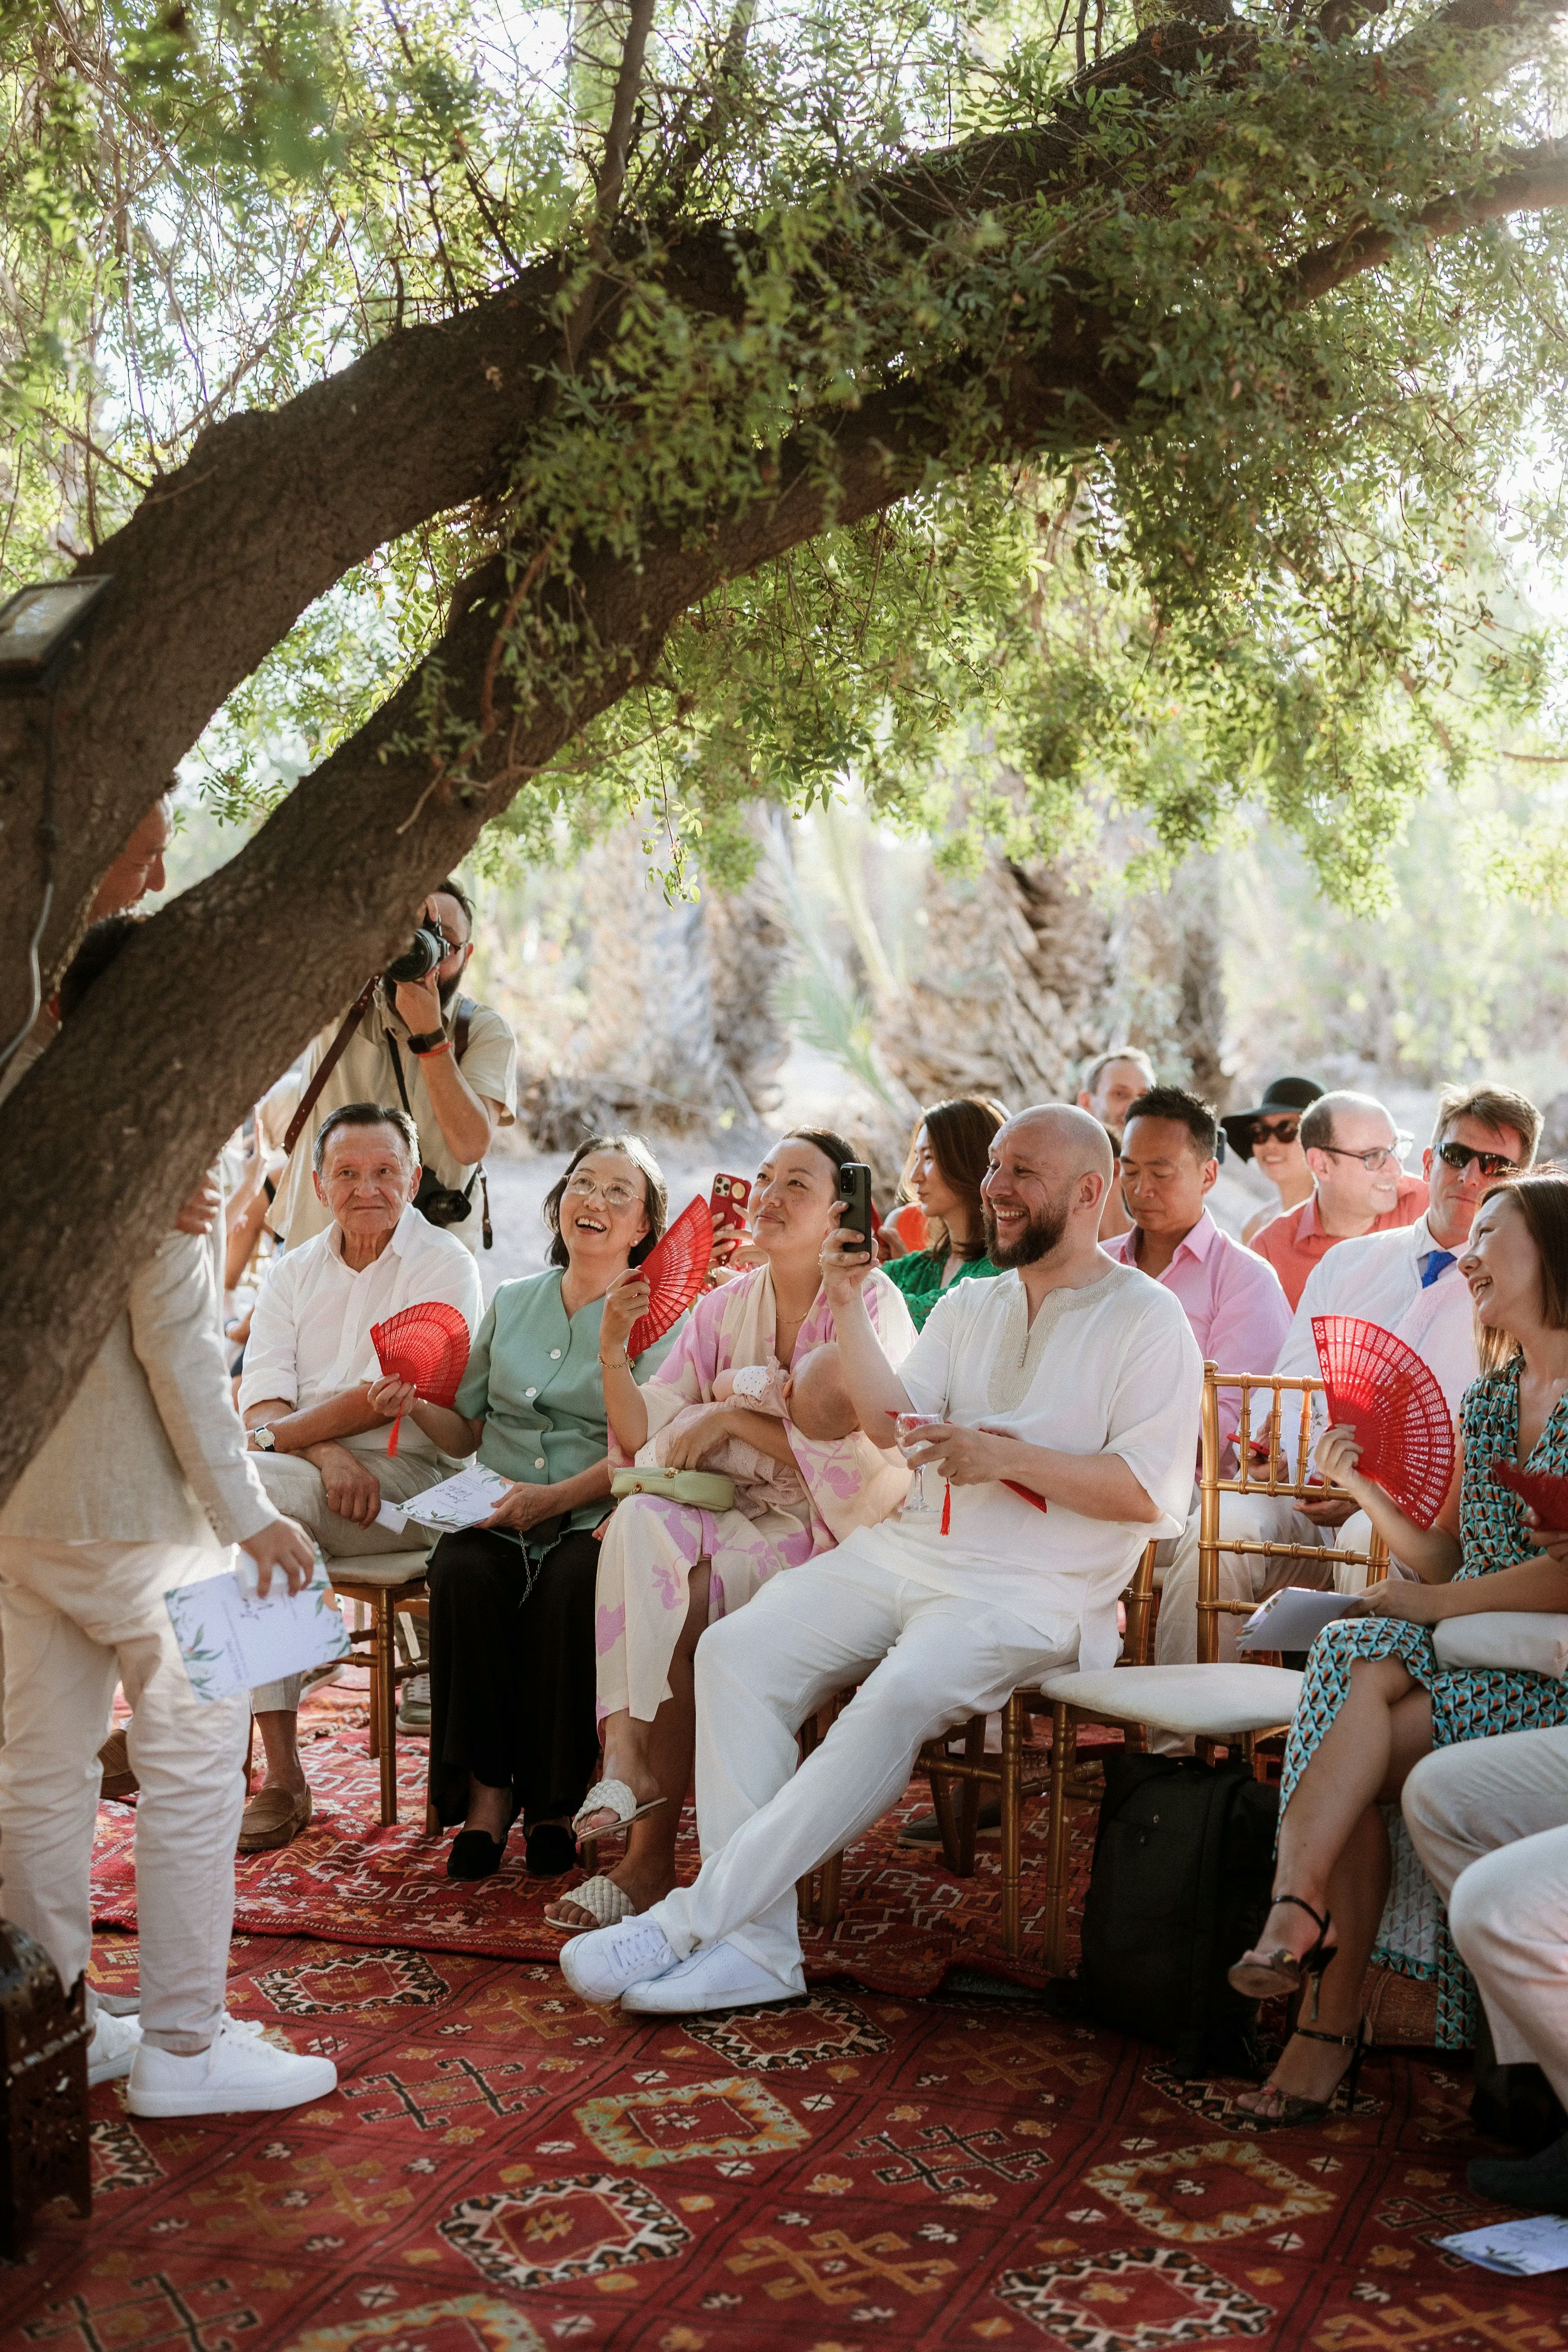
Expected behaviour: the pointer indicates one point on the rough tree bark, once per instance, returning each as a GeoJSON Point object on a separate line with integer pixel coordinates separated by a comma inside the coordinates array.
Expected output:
{"type": "Point", "coordinates": [104, 1136]}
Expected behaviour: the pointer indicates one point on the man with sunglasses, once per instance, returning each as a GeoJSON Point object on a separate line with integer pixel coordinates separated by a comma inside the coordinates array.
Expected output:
{"type": "Point", "coordinates": [450, 1062]}
{"type": "Point", "coordinates": [1408, 1280]}
{"type": "Point", "coordinates": [1359, 1187]}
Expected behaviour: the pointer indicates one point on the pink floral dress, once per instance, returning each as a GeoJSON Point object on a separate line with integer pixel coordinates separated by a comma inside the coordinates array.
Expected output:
{"type": "Point", "coordinates": [651, 1546]}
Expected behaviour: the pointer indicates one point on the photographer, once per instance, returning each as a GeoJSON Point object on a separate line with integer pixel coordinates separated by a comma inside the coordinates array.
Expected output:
{"type": "Point", "coordinates": [420, 1042]}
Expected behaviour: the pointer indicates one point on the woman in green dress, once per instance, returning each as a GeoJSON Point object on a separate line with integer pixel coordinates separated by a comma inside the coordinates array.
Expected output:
{"type": "Point", "coordinates": [1376, 1698]}
{"type": "Point", "coordinates": [512, 1725]}
{"type": "Point", "coordinates": [949, 1154]}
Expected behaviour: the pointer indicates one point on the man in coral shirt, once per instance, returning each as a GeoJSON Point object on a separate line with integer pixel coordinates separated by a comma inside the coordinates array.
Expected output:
{"type": "Point", "coordinates": [1353, 1150]}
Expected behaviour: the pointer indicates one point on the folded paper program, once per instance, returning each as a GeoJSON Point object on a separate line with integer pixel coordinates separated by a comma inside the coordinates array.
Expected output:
{"type": "Point", "coordinates": [1293, 1619]}
{"type": "Point", "coordinates": [232, 1640]}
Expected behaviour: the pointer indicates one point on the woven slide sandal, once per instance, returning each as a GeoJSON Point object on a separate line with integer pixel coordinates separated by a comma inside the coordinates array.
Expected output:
{"type": "Point", "coordinates": [611, 1797]}
{"type": "Point", "coordinates": [607, 1903]}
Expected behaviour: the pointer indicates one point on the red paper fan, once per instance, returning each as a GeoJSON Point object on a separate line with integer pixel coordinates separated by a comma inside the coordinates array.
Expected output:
{"type": "Point", "coordinates": [1546, 1493]}
{"type": "Point", "coordinates": [1379, 1386]}
{"type": "Point", "coordinates": [674, 1268]}
{"type": "Point", "coordinates": [428, 1344]}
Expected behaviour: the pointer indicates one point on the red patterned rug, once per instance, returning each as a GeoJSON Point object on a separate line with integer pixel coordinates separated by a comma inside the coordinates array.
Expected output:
{"type": "Point", "coordinates": [504, 2170]}
{"type": "Point", "coordinates": [906, 1922]}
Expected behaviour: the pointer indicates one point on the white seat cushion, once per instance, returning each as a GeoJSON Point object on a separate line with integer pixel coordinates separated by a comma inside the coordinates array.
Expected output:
{"type": "Point", "coordinates": [387, 1567]}
{"type": "Point", "coordinates": [1201, 1702]}
{"type": "Point", "coordinates": [1534, 1640]}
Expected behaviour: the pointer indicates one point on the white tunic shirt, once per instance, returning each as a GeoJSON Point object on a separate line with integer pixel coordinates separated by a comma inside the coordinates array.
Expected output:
{"type": "Point", "coordinates": [1110, 1369]}
{"type": "Point", "coordinates": [310, 1335]}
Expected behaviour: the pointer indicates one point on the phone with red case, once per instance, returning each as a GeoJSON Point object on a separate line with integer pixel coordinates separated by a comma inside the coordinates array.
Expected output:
{"type": "Point", "coordinates": [727, 1206]}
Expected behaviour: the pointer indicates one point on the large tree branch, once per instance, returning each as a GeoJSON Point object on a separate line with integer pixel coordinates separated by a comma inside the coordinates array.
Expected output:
{"type": "Point", "coordinates": [1538, 183]}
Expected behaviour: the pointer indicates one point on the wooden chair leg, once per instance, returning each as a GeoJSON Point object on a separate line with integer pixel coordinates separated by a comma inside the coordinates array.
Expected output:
{"type": "Point", "coordinates": [830, 1883]}
{"type": "Point", "coordinates": [383, 1654]}
{"type": "Point", "coordinates": [941, 1805]}
{"type": "Point", "coordinates": [1011, 1824]}
{"type": "Point", "coordinates": [249, 1752]}
{"type": "Point", "coordinates": [1064, 1743]}
{"type": "Point", "coordinates": [969, 1796]}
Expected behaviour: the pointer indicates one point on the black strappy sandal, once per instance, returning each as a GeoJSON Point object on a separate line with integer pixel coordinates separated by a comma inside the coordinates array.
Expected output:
{"type": "Point", "coordinates": [1263, 1976]}
{"type": "Point", "coordinates": [1296, 2110]}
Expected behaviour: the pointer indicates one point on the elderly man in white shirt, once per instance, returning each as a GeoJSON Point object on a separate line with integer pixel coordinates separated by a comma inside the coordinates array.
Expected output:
{"type": "Point", "coordinates": [1063, 1402]}
{"type": "Point", "coordinates": [320, 1444]}
{"type": "Point", "coordinates": [1409, 1281]}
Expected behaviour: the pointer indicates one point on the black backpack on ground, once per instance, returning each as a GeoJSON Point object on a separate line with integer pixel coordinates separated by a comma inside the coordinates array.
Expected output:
{"type": "Point", "coordinates": [1179, 1888]}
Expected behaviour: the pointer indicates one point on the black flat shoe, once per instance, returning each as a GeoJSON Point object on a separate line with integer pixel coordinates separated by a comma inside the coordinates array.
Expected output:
{"type": "Point", "coordinates": [1539, 2181]}
{"type": "Point", "coordinates": [551, 1851]}
{"type": "Point", "coordinates": [475, 1854]}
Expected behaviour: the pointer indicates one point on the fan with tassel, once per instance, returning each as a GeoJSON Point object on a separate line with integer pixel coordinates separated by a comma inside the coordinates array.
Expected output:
{"type": "Point", "coordinates": [426, 1345]}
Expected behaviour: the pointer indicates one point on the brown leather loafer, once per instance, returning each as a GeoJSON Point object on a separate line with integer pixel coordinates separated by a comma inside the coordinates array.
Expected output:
{"type": "Point", "coordinates": [273, 1817]}
{"type": "Point", "coordinates": [118, 1780]}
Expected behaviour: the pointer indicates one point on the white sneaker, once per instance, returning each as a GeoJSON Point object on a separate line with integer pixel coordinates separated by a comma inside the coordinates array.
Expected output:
{"type": "Point", "coordinates": [600, 1964]}
{"type": "Point", "coordinates": [115, 2042]}
{"type": "Point", "coordinates": [717, 1977]}
{"type": "Point", "coordinates": [240, 2074]}
{"type": "Point", "coordinates": [414, 1706]}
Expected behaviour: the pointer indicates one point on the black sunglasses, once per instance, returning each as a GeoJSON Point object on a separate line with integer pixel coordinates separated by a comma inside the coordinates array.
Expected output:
{"type": "Point", "coordinates": [1492, 1163]}
{"type": "Point", "coordinates": [1268, 1131]}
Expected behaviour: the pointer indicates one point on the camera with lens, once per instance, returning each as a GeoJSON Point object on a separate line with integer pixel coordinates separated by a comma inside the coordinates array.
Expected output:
{"type": "Point", "coordinates": [421, 957]}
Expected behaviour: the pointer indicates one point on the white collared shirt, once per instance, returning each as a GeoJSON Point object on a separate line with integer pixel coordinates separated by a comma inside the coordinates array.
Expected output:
{"type": "Point", "coordinates": [310, 1335]}
{"type": "Point", "coordinates": [1378, 1277]}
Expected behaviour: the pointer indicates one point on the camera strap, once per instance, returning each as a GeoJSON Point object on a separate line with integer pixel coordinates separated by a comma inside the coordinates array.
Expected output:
{"type": "Point", "coordinates": [460, 1027]}
{"type": "Point", "coordinates": [329, 1063]}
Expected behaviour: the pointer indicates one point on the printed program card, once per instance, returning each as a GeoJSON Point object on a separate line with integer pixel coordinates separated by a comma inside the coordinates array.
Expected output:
{"type": "Point", "coordinates": [231, 1640]}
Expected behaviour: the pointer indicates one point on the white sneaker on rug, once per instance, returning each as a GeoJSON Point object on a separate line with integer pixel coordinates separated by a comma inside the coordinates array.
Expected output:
{"type": "Point", "coordinates": [717, 1977]}
{"type": "Point", "coordinates": [600, 1964]}
{"type": "Point", "coordinates": [115, 2042]}
{"type": "Point", "coordinates": [240, 2074]}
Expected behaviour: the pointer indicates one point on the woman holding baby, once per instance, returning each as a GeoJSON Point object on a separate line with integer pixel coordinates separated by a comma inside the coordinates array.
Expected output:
{"type": "Point", "coordinates": [747, 1389]}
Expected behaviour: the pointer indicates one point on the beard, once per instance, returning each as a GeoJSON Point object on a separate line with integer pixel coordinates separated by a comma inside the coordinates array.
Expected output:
{"type": "Point", "coordinates": [1037, 1240]}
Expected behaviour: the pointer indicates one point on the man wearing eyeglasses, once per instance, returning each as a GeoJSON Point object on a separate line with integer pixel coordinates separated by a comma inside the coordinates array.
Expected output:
{"type": "Point", "coordinates": [1359, 1187]}
{"type": "Point", "coordinates": [450, 1062]}
{"type": "Point", "coordinates": [1409, 1281]}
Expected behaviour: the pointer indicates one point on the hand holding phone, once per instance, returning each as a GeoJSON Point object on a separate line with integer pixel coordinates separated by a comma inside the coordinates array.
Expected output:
{"type": "Point", "coordinates": [860, 1217]}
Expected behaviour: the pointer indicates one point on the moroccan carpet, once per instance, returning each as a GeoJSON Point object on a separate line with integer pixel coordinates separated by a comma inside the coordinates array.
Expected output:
{"type": "Point", "coordinates": [504, 2170]}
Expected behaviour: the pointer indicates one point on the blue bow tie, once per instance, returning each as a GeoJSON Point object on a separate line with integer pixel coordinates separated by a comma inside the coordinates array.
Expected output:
{"type": "Point", "coordinates": [1435, 1261]}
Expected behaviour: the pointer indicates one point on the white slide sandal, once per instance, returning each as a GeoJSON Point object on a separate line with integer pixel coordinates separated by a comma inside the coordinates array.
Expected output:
{"type": "Point", "coordinates": [611, 1797]}
{"type": "Point", "coordinates": [606, 1904]}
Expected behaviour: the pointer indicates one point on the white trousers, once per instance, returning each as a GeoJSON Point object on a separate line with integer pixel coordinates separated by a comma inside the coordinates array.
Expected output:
{"type": "Point", "coordinates": [77, 1618]}
{"type": "Point", "coordinates": [1489, 1821]}
{"type": "Point", "coordinates": [924, 1661]}
{"type": "Point", "coordinates": [297, 1488]}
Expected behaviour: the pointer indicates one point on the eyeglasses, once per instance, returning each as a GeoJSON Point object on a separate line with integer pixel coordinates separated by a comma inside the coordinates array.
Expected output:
{"type": "Point", "coordinates": [1376, 1159]}
{"type": "Point", "coordinates": [1269, 1130]}
{"type": "Point", "coordinates": [615, 1195]}
{"type": "Point", "coordinates": [1491, 1163]}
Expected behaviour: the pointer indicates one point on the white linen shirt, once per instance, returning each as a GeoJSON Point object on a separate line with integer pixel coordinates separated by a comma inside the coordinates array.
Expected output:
{"type": "Point", "coordinates": [1378, 1277]}
{"type": "Point", "coordinates": [1110, 1369]}
{"type": "Point", "coordinates": [310, 1335]}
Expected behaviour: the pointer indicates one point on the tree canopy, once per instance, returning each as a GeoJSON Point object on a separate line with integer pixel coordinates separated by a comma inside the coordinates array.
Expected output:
{"type": "Point", "coordinates": [549, 414]}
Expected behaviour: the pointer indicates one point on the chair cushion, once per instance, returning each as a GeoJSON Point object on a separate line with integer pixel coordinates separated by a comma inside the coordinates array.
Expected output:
{"type": "Point", "coordinates": [1201, 1702]}
{"type": "Point", "coordinates": [385, 1568]}
{"type": "Point", "coordinates": [1531, 1639]}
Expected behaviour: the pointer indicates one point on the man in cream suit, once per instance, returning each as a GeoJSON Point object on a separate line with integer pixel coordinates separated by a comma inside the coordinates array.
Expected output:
{"type": "Point", "coordinates": [140, 1487]}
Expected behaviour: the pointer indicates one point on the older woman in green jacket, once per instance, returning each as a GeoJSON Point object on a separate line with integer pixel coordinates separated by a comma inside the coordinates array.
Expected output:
{"type": "Point", "coordinates": [512, 1725]}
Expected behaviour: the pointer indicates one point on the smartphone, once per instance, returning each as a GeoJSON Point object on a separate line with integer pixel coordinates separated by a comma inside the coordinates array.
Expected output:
{"type": "Point", "coordinates": [726, 1205]}
{"type": "Point", "coordinates": [860, 1217]}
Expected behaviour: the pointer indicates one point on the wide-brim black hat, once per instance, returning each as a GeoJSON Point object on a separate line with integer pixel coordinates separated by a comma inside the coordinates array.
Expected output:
{"type": "Point", "coordinates": [1283, 1094]}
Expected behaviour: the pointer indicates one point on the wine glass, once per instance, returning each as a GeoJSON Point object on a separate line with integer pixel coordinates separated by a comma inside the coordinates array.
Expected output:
{"type": "Point", "coordinates": [909, 1425]}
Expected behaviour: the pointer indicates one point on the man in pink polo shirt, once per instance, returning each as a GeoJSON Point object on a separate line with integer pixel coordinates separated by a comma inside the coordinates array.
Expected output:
{"type": "Point", "coordinates": [1353, 1150]}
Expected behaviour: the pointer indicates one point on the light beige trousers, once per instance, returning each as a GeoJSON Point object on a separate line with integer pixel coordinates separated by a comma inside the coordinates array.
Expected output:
{"type": "Point", "coordinates": [76, 1619]}
{"type": "Point", "coordinates": [1489, 1821]}
{"type": "Point", "coordinates": [297, 1488]}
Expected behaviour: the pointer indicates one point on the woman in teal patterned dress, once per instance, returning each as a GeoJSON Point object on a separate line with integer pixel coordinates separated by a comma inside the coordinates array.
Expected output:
{"type": "Point", "coordinates": [1375, 1699]}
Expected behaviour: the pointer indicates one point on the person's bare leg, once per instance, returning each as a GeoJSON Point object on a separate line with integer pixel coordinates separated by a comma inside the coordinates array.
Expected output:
{"type": "Point", "coordinates": [279, 1729]}
{"type": "Point", "coordinates": [1356, 1886]}
{"type": "Point", "coordinates": [654, 1760]}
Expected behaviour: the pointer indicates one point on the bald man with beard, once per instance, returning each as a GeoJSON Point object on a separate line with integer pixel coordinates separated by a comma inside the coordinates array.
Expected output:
{"type": "Point", "coordinates": [1069, 1387]}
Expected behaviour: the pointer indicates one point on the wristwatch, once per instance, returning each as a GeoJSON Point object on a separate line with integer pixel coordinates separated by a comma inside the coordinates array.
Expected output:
{"type": "Point", "coordinates": [263, 1439]}
{"type": "Point", "coordinates": [427, 1041]}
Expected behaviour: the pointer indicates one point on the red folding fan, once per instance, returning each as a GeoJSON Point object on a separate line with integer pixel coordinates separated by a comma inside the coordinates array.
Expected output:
{"type": "Point", "coordinates": [1379, 1387]}
{"type": "Point", "coordinates": [673, 1269]}
{"type": "Point", "coordinates": [1546, 1493]}
{"type": "Point", "coordinates": [428, 1344]}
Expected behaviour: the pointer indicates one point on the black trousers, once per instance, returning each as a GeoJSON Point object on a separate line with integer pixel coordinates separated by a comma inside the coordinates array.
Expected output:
{"type": "Point", "coordinates": [512, 1685]}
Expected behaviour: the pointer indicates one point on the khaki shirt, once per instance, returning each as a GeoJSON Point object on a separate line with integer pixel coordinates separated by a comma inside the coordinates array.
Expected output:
{"type": "Point", "coordinates": [365, 1074]}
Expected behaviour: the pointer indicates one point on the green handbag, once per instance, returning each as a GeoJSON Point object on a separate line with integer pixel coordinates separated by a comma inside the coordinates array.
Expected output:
{"type": "Point", "coordinates": [709, 1490]}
